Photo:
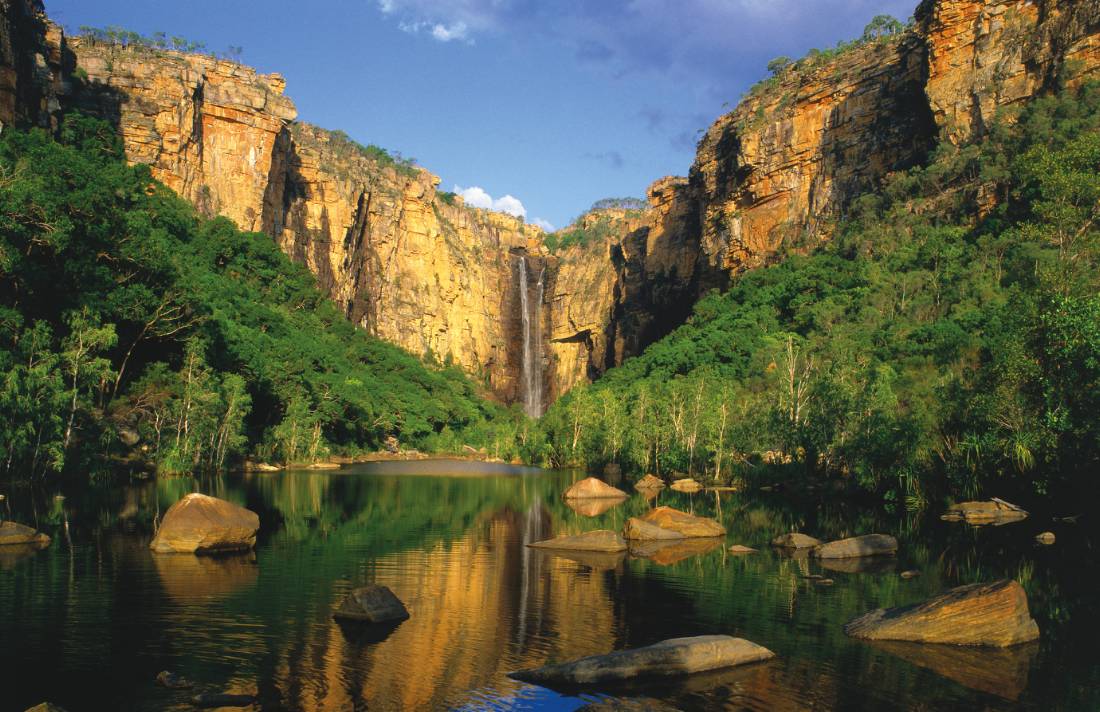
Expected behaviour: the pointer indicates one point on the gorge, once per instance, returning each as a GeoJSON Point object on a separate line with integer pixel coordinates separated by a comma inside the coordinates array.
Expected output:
{"type": "Point", "coordinates": [422, 270]}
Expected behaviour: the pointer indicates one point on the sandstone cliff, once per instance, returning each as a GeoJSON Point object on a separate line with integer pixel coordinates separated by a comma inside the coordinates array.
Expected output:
{"type": "Point", "coordinates": [416, 268]}
{"type": "Point", "coordinates": [420, 269]}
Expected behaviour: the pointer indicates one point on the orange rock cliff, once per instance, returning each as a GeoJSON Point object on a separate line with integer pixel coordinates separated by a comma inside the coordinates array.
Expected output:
{"type": "Point", "coordinates": [420, 269]}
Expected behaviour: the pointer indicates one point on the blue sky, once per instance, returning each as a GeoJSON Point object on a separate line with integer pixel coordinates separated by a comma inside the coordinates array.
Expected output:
{"type": "Point", "coordinates": [552, 103]}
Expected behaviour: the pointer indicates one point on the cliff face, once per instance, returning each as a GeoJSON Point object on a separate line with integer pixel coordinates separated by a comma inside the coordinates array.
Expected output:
{"type": "Point", "coordinates": [415, 268]}
{"type": "Point", "coordinates": [32, 64]}
{"type": "Point", "coordinates": [985, 55]}
{"type": "Point", "coordinates": [422, 270]}
{"type": "Point", "coordinates": [208, 128]}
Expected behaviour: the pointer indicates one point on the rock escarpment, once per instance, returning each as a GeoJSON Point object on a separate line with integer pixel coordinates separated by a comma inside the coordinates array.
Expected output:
{"type": "Point", "coordinates": [420, 269]}
{"type": "Point", "coordinates": [413, 266]}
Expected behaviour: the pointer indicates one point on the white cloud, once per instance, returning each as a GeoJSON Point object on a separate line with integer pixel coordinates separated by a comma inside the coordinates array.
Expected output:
{"type": "Point", "coordinates": [546, 225]}
{"type": "Point", "coordinates": [476, 197]}
{"type": "Point", "coordinates": [446, 33]}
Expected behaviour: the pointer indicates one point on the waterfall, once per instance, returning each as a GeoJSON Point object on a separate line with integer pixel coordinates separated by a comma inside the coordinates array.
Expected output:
{"type": "Point", "coordinates": [532, 343]}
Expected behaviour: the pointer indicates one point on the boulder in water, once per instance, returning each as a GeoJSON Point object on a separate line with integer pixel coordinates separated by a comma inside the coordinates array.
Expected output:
{"type": "Point", "coordinates": [599, 540]}
{"type": "Point", "coordinates": [45, 707]}
{"type": "Point", "coordinates": [592, 488]}
{"type": "Point", "coordinates": [687, 485]}
{"type": "Point", "coordinates": [13, 534]}
{"type": "Point", "coordinates": [677, 656]}
{"type": "Point", "coordinates": [856, 546]}
{"type": "Point", "coordinates": [173, 681]}
{"type": "Point", "coordinates": [649, 482]}
{"type": "Point", "coordinates": [795, 540]}
{"type": "Point", "coordinates": [993, 614]}
{"type": "Point", "coordinates": [671, 521]}
{"type": "Point", "coordinates": [637, 529]}
{"type": "Point", "coordinates": [742, 549]}
{"type": "Point", "coordinates": [371, 604]}
{"type": "Point", "coordinates": [995, 511]}
{"type": "Point", "coordinates": [200, 524]}
{"type": "Point", "coordinates": [1046, 538]}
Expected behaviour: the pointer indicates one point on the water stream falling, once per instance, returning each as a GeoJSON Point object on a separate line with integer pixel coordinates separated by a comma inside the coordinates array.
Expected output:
{"type": "Point", "coordinates": [532, 343]}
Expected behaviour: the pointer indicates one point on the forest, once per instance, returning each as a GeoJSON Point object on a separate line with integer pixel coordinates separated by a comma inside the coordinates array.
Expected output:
{"type": "Point", "coordinates": [944, 342]}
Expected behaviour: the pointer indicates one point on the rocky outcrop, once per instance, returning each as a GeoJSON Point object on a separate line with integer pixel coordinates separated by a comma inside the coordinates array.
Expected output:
{"type": "Point", "coordinates": [795, 540]}
{"type": "Point", "coordinates": [420, 269]}
{"type": "Point", "coordinates": [677, 656]}
{"type": "Point", "coordinates": [993, 614]}
{"type": "Point", "coordinates": [202, 524]}
{"type": "Point", "coordinates": [592, 488]}
{"type": "Point", "coordinates": [412, 266]}
{"type": "Point", "coordinates": [15, 534]}
{"type": "Point", "coordinates": [984, 55]}
{"type": "Point", "coordinates": [858, 546]}
{"type": "Point", "coordinates": [668, 523]}
{"type": "Point", "coordinates": [371, 604]}
{"type": "Point", "coordinates": [33, 63]}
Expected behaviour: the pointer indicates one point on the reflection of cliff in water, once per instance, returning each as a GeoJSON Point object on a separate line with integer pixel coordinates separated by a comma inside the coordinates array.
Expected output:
{"type": "Point", "coordinates": [480, 605]}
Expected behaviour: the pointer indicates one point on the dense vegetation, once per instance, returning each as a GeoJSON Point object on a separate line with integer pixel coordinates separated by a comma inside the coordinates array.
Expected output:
{"type": "Point", "coordinates": [132, 328]}
{"type": "Point", "coordinates": [945, 341]}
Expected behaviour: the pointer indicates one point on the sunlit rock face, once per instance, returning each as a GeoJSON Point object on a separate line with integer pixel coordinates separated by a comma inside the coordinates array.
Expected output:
{"type": "Point", "coordinates": [985, 55]}
{"type": "Point", "coordinates": [208, 128]}
{"type": "Point", "coordinates": [420, 269]}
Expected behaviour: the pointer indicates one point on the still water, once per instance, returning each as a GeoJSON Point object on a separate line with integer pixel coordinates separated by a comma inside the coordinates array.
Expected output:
{"type": "Point", "coordinates": [90, 621]}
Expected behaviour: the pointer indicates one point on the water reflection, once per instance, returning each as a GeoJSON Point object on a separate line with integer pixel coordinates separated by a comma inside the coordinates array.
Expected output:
{"type": "Point", "coordinates": [105, 615]}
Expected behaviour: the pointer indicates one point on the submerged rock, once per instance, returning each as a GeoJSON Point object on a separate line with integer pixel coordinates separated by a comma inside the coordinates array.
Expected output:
{"type": "Point", "coordinates": [222, 699]}
{"type": "Point", "coordinates": [173, 681]}
{"type": "Point", "coordinates": [860, 564]}
{"type": "Point", "coordinates": [993, 614]}
{"type": "Point", "coordinates": [1046, 538]}
{"type": "Point", "coordinates": [677, 656]}
{"type": "Point", "coordinates": [599, 540]}
{"type": "Point", "coordinates": [995, 511]}
{"type": "Point", "coordinates": [371, 604]}
{"type": "Point", "coordinates": [686, 485]}
{"type": "Point", "coordinates": [592, 488]}
{"type": "Point", "coordinates": [668, 552]}
{"type": "Point", "coordinates": [741, 549]}
{"type": "Point", "coordinates": [852, 547]}
{"type": "Point", "coordinates": [13, 534]}
{"type": "Point", "coordinates": [910, 574]}
{"type": "Point", "coordinates": [671, 522]}
{"type": "Point", "coordinates": [593, 507]}
{"type": "Point", "coordinates": [594, 560]}
{"type": "Point", "coordinates": [649, 482]}
{"type": "Point", "coordinates": [794, 540]}
{"type": "Point", "coordinates": [198, 523]}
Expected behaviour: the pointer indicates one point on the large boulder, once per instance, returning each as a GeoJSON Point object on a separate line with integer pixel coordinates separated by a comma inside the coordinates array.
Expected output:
{"type": "Point", "coordinates": [649, 482]}
{"type": "Point", "coordinates": [672, 522]}
{"type": "Point", "coordinates": [13, 534]}
{"type": "Point", "coordinates": [687, 485]}
{"type": "Point", "coordinates": [201, 524]}
{"type": "Point", "coordinates": [993, 614]}
{"type": "Point", "coordinates": [637, 529]}
{"type": "Point", "coordinates": [371, 604]}
{"type": "Point", "coordinates": [599, 540]}
{"type": "Point", "coordinates": [677, 656]}
{"type": "Point", "coordinates": [995, 511]}
{"type": "Point", "coordinates": [592, 488]}
{"type": "Point", "coordinates": [855, 546]}
{"type": "Point", "coordinates": [795, 540]}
